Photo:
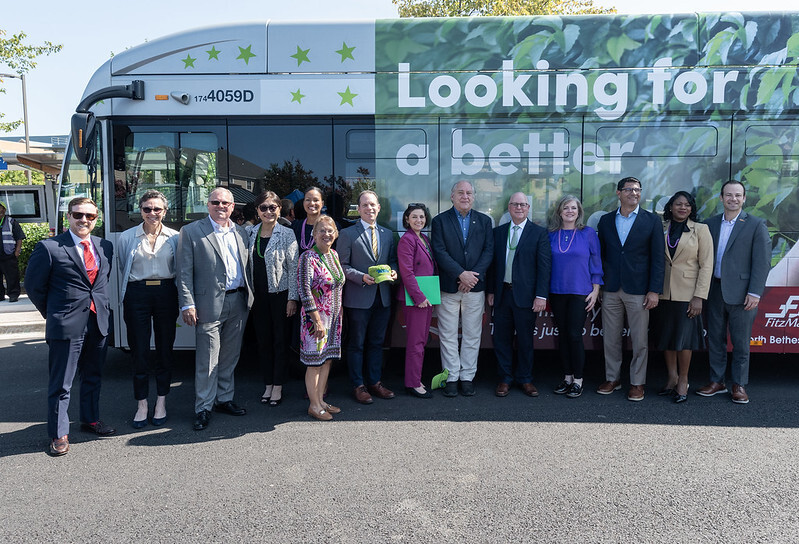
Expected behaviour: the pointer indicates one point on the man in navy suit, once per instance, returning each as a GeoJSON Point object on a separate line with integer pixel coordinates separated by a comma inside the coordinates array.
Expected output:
{"type": "Point", "coordinates": [463, 246]}
{"type": "Point", "coordinates": [368, 303]}
{"type": "Point", "coordinates": [742, 249]}
{"type": "Point", "coordinates": [633, 261]}
{"type": "Point", "coordinates": [67, 280]}
{"type": "Point", "coordinates": [518, 288]}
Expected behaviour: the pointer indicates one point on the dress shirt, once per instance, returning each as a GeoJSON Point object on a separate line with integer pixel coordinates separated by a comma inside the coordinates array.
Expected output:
{"type": "Point", "coordinates": [464, 221]}
{"type": "Point", "coordinates": [724, 237]}
{"type": "Point", "coordinates": [152, 263]}
{"type": "Point", "coordinates": [79, 248]}
{"type": "Point", "coordinates": [624, 224]}
{"type": "Point", "coordinates": [234, 276]}
{"type": "Point", "coordinates": [368, 228]}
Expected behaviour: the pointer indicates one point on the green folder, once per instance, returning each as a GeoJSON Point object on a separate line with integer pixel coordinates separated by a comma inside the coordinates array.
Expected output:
{"type": "Point", "coordinates": [430, 287]}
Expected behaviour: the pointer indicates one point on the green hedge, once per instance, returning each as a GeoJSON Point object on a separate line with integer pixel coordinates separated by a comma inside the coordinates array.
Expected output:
{"type": "Point", "coordinates": [33, 233]}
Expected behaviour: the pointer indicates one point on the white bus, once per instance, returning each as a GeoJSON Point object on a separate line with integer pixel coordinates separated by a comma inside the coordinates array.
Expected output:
{"type": "Point", "coordinates": [543, 105]}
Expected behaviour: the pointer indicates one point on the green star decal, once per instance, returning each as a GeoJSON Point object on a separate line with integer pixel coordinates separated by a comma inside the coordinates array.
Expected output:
{"type": "Point", "coordinates": [188, 61]}
{"type": "Point", "coordinates": [345, 52]}
{"type": "Point", "coordinates": [245, 54]}
{"type": "Point", "coordinates": [297, 97]}
{"type": "Point", "coordinates": [301, 55]}
{"type": "Point", "coordinates": [213, 53]}
{"type": "Point", "coordinates": [347, 96]}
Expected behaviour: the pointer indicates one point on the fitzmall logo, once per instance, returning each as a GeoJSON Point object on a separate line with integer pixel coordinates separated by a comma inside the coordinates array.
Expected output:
{"type": "Point", "coordinates": [787, 316]}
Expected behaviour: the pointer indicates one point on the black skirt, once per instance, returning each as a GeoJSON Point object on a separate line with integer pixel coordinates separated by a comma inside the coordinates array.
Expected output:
{"type": "Point", "coordinates": [673, 330]}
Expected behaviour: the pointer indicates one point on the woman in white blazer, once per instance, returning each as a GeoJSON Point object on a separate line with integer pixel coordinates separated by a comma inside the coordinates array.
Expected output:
{"type": "Point", "coordinates": [273, 273]}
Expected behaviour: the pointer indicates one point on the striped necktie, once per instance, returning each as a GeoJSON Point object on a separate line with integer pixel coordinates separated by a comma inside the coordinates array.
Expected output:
{"type": "Point", "coordinates": [374, 241]}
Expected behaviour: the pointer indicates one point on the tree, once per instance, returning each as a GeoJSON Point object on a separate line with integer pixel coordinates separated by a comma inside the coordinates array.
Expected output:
{"type": "Point", "coordinates": [467, 8]}
{"type": "Point", "coordinates": [20, 58]}
{"type": "Point", "coordinates": [18, 177]}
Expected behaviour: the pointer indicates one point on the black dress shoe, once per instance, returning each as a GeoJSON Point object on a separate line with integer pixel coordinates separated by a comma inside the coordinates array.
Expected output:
{"type": "Point", "coordinates": [413, 392]}
{"type": "Point", "coordinates": [139, 424]}
{"type": "Point", "coordinates": [451, 389]}
{"type": "Point", "coordinates": [201, 422]}
{"type": "Point", "coordinates": [230, 408]}
{"type": "Point", "coordinates": [99, 428]}
{"type": "Point", "coordinates": [158, 421]}
{"type": "Point", "coordinates": [467, 388]}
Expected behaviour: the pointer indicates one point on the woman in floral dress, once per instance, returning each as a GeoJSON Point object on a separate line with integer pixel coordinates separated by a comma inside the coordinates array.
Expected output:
{"type": "Point", "coordinates": [321, 281]}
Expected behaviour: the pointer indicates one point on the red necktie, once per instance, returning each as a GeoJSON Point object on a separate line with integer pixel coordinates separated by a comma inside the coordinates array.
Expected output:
{"type": "Point", "coordinates": [91, 267]}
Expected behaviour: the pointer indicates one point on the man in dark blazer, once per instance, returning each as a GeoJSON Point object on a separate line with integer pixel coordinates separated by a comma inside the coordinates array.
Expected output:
{"type": "Point", "coordinates": [518, 293]}
{"type": "Point", "coordinates": [67, 280]}
{"type": "Point", "coordinates": [742, 249]}
{"type": "Point", "coordinates": [463, 246]}
{"type": "Point", "coordinates": [368, 303]}
{"type": "Point", "coordinates": [215, 297]}
{"type": "Point", "coordinates": [633, 262]}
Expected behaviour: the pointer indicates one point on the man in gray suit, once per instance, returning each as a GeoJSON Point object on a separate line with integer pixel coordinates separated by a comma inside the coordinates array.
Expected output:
{"type": "Point", "coordinates": [214, 297]}
{"type": "Point", "coordinates": [742, 248]}
{"type": "Point", "coordinates": [368, 303]}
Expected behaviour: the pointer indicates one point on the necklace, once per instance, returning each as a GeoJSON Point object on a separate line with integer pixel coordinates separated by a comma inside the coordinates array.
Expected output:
{"type": "Point", "coordinates": [668, 240]}
{"type": "Point", "coordinates": [570, 240]}
{"type": "Point", "coordinates": [303, 244]}
{"type": "Point", "coordinates": [337, 278]}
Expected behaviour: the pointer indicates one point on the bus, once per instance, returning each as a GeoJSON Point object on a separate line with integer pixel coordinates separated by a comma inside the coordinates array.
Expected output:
{"type": "Point", "coordinates": [547, 105]}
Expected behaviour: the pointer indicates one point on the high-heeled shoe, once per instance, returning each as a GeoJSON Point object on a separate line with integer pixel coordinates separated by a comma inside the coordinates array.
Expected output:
{"type": "Point", "coordinates": [158, 421]}
{"type": "Point", "coordinates": [681, 398]}
{"type": "Point", "coordinates": [413, 392]}
{"type": "Point", "coordinates": [667, 392]}
{"type": "Point", "coordinates": [138, 424]}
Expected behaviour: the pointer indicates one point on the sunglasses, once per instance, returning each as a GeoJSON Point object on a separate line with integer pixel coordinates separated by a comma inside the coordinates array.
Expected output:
{"type": "Point", "coordinates": [146, 209]}
{"type": "Point", "coordinates": [220, 203]}
{"type": "Point", "coordinates": [264, 208]}
{"type": "Point", "coordinates": [81, 215]}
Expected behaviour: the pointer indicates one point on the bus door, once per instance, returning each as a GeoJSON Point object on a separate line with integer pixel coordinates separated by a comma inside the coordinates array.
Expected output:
{"type": "Point", "coordinates": [765, 157]}
{"type": "Point", "coordinates": [185, 162]}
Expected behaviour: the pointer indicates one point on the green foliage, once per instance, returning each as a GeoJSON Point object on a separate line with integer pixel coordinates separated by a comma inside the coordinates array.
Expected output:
{"type": "Point", "coordinates": [20, 58]}
{"type": "Point", "coordinates": [468, 8]}
{"type": "Point", "coordinates": [284, 179]}
{"type": "Point", "coordinates": [33, 233]}
{"type": "Point", "coordinates": [18, 177]}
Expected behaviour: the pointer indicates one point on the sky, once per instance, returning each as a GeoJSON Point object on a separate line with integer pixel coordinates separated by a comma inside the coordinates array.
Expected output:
{"type": "Point", "coordinates": [90, 31]}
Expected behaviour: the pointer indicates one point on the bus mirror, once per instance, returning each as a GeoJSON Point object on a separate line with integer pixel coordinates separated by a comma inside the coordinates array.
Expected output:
{"type": "Point", "coordinates": [83, 136]}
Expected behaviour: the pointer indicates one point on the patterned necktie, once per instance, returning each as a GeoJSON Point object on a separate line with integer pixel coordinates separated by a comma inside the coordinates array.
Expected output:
{"type": "Point", "coordinates": [91, 267]}
{"type": "Point", "coordinates": [514, 241]}
{"type": "Point", "coordinates": [374, 241]}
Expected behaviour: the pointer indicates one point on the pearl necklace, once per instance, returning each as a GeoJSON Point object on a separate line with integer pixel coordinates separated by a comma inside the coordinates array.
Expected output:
{"type": "Point", "coordinates": [560, 245]}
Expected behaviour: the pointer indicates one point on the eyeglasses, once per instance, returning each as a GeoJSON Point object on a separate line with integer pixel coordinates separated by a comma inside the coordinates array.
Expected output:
{"type": "Point", "coordinates": [220, 203]}
{"type": "Point", "coordinates": [264, 208]}
{"type": "Point", "coordinates": [633, 190]}
{"type": "Point", "coordinates": [147, 209]}
{"type": "Point", "coordinates": [81, 215]}
{"type": "Point", "coordinates": [519, 204]}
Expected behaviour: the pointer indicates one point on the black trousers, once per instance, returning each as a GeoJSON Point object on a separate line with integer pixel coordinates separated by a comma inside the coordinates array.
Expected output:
{"type": "Point", "coordinates": [570, 314]}
{"type": "Point", "coordinates": [9, 268]}
{"type": "Point", "coordinates": [149, 308]}
{"type": "Point", "coordinates": [270, 322]}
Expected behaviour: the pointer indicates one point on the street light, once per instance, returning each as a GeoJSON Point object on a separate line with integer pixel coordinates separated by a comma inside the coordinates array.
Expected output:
{"type": "Point", "coordinates": [24, 115]}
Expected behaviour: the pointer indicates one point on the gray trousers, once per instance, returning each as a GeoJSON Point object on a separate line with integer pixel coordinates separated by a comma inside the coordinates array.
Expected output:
{"type": "Point", "coordinates": [614, 306]}
{"type": "Point", "coordinates": [720, 317]}
{"type": "Point", "coordinates": [218, 347]}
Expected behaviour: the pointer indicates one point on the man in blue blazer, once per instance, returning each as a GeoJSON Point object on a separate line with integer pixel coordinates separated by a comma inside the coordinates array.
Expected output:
{"type": "Point", "coordinates": [368, 303]}
{"type": "Point", "coordinates": [743, 257]}
{"type": "Point", "coordinates": [463, 246]}
{"type": "Point", "coordinates": [67, 280]}
{"type": "Point", "coordinates": [518, 293]}
{"type": "Point", "coordinates": [633, 262]}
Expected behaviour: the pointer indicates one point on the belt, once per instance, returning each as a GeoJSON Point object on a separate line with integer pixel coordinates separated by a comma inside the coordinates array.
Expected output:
{"type": "Point", "coordinates": [150, 283]}
{"type": "Point", "coordinates": [235, 290]}
{"type": "Point", "coordinates": [507, 285]}
{"type": "Point", "coordinates": [717, 280]}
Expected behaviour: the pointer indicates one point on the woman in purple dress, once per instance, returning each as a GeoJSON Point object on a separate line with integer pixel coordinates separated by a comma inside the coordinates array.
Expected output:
{"type": "Point", "coordinates": [574, 286]}
{"type": "Point", "coordinates": [321, 282]}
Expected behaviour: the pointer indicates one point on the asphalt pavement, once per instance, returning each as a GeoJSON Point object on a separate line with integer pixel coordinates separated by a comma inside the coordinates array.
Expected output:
{"type": "Point", "coordinates": [480, 469]}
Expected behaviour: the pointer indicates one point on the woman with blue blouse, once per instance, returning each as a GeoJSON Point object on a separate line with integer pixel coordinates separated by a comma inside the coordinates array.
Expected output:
{"type": "Point", "coordinates": [574, 286]}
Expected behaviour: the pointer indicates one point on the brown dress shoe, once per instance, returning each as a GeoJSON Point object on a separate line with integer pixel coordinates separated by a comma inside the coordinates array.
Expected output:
{"type": "Point", "coordinates": [502, 390]}
{"type": "Point", "coordinates": [362, 395]}
{"type": "Point", "coordinates": [529, 390]}
{"type": "Point", "coordinates": [322, 415]}
{"type": "Point", "coordinates": [739, 395]}
{"type": "Point", "coordinates": [608, 387]}
{"type": "Point", "coordinates": [380, 391]}
{"type": "Point", "coordinates": [713, 388]}
{"type": "Point", "coordinates": [635, 393]}
{"type": "Point", "coordinates": [59, 446]}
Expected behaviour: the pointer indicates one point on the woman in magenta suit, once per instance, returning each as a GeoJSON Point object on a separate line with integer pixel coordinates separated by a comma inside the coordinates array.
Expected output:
{"type": "Point", "coordinates": [415, 259]}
